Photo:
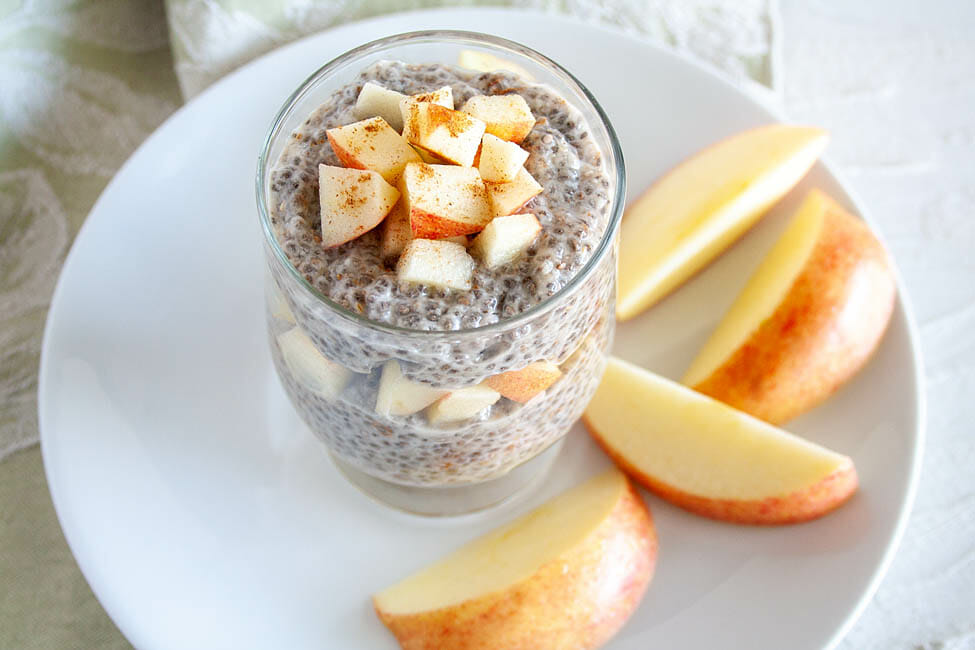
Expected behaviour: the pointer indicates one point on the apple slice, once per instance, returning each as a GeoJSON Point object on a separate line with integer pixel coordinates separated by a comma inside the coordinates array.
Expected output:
{"type": "Point", "coordinates": [708, 458]}
{"type": "Point", "coordinates": [277, 304]}
{"type": "Point", "coordinates": [310, 368]}
{"type": "Point", "coordinates": [505, 238]}
{"type": "Point", "coordinates": [566, 575]}
{"type": "Point", "coordinates": [508, 198]}
{"type": "Point", "coordinates": [462, 404]}
{"type": "Point", "coordinates": [372, 144]}
{"type": "Point", "coordinates": [436, 263]}
{"type": "Point", "coordinates": [523, 384]}
{"type": "Point", "coordinates": [703, 205]}
{"type": "Point", "coordinates": [444, 200]}
{"type": "Point", "coordinates": [487, 62]}
{"type": "Point", "coordinates": [808, 319]}
{"type": "Point", "coordinates": [448, 134]}
{"type": "Point", "coordinates": [353, 201]}
{"type": "Point", "coordinates": [376, 101]}
{"type": "Point", "coordinates": [499, 160]}
{"type": "Point", "coordinates": [442, 97]}
{"type": "Point", "coordinates": [507, 116]}
{"type": "Point", "coordinates": [399, 396]}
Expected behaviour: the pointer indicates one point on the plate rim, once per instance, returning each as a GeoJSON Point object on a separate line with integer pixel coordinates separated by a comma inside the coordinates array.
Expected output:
{"type": "Point", "coordinates": [467, 14]}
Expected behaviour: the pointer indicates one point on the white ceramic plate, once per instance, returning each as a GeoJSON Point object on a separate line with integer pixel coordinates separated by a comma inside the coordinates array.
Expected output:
{"type": "Point", "coordinates": [204, 515]}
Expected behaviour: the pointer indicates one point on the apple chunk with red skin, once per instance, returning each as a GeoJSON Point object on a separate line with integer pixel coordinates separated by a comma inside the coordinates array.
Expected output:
{"type": "Point", "coordinates": [523, 384]}
{"type": "Point", "coordinates": [506, 116]}
{"type": "Point", "coordinates": [448, 134]}
{"type": "Point", "coordinates": [444, 200]}
{"type": "Point", "coordinates": [353, 201]}
{"type": "Point", "coordinates": [372, 144]}
{"type": "Point", "coordinates": [566, 575]}
{"type": "Point", "coordinates": [808, 319]}
{"type": "Point", "coordinates": [509, 198]}
{"type": "Point", "coordinates": [709, 458]}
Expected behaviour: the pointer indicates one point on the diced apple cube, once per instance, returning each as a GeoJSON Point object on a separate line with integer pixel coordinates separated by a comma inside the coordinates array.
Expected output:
{"type": "Point", "coordinates": [500, 160]}
{"type": "Point", "coordinates": [372, 144]}
{"type": "Point", "coordinates": [310, 368]}
{"type": "Point", "coordinates": [436, 263]}
{"type": "Point", "coordinates": [506, 116]}
{"type": "Point", "coordinates": [400, 396]}
{"type": "Point", "coordinates": [449, 134]}
{"type": "Point", "coordinates": [524, 384]}
{"type": "Point", "coordinates": [376, 101]}
{"type": "Point", "coordinates": [278, 304]}
{"type": "Point", "coordinates": [508, 198]}
{"type": "Point", "coordinates": [442, 96]}
{"type": "Point", "coordinates": [462, 404]}
{"type": "Point", "coordinates": [353, 201]}
{"type": "Point", "coordinates": [444, 200]}
{"type": "Point", "coordinates": [505, 238]}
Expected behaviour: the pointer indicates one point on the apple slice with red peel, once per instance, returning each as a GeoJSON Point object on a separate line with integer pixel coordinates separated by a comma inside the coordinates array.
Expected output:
{"type": "Point", "coordinates": [487, 62]}
{"type": "Point", "coordinates": [353, 201]}
{"type": "Point", "coordinates": [400, 396]}
{"type": "Point", "coordinates": [446, 133]}
{"type": "Point", "coordinates": [372, 144]}
{"type": "Point", "coordinates": [808, 319]}
{"type": "Point", "coordinates": [699, 208]}
{"type": "Point", "coordinates": [709, 458]}
{"type": "Point", "coordinates": [523, 384]}
{"type": "Point", "coordinates": [436, 263]}
{"type": "Point", "coordinates": [377, 101]}
{"type": "Point", "coordinates": [505, 239]}
{"type": "Point", "coordinates": [462, 404]}
{"type": "Point", "coordinates": [499, 160]}
{"type": "Point", "coordinates": [444, 200]}
{"type": "Point", "coordinates": [509, 198]}
{"type": "Point", "coordinates": [566, 575]}
{"type": "Point", "coordinates": [507, 116]}
{"type": "Point", "coordinates": [309, 367]}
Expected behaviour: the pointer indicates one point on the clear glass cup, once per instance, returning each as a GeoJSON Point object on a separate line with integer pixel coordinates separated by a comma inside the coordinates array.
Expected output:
{"type": "Point", "coordinates": [330, 360]}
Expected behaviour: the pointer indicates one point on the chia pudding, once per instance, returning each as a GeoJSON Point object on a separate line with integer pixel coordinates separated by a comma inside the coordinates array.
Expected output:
{"type": "Point", "coordinates": [443, 339]}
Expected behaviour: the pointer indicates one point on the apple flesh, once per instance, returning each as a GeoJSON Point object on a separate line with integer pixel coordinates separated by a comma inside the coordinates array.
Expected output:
{"type": "Point", "coordinates": [444, 200]}
{"type": "Point", "coordinates": [372, 144]}
{"type": "Point", "coordinates": [487, 62]}
{"type": "Point", "coordinates": [703, 205]}
{"type": "Point", "coordinates": [448, 134]}
{"type": "Point", "coordinates": [436, 263]}
{"type": "Point", "coordinates": [505, 239]}
{"type": "Point", "coordinates": [807, 320]}
{"type": "Point", "coordinates": [400, 396]}
{"type": "Point", "coordinates": [499, 160]}
{"type": "Point", "coordinates": [509, 198]}
{"type": "Point", "coordinates": [353, 201]}
{"type": "Point", "coordinates": [523, 384]}
{"type": "Point", "coordinates": [462, 404]}
{"type": "Point", "coordinates": [709, 458]}
{"type": "Point", "coordinates": [309, 367]}
{"type": "Point", "coordinates": [507, 116]}
{"type": "Point", "coordinates": [377, 101]}
{"type": "Point", "coordinates": [567, 575]}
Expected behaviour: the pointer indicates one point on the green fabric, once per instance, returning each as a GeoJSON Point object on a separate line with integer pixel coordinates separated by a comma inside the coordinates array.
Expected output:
{"type": "Point", "coordinates": [82, 84]}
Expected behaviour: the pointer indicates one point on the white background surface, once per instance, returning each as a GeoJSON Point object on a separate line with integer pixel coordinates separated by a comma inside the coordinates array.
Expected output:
{"type": "Point", "coordinates": [894, 82]}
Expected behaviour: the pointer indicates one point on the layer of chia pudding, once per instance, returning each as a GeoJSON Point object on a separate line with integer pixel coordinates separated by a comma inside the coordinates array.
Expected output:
{"type": "Point", "coordinates": [574, 331]}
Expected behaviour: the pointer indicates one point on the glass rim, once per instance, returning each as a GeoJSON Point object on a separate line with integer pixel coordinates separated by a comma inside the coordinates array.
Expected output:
{"type": "Point", "coordinates": [476, 38]}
